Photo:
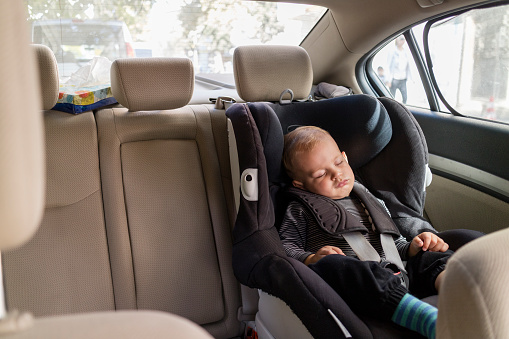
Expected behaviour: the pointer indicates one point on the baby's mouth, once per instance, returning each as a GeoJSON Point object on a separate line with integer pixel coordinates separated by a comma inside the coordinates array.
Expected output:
{"type": "Point", "coordinates": [341, 183]}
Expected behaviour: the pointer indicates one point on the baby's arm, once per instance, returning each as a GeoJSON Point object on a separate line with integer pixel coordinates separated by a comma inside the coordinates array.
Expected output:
{"type": "Point", "coordinates": [322, 252]}
{"type": "Point", "coordinates": [292, 232]}
{"type": "Point", "coordinates": [293, 236]}
{"type": "Point", "coordinates": [427, 241]}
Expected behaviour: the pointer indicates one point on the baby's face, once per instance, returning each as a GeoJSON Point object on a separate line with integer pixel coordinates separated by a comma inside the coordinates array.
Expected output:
{"type": "Point", "coordinates": [324, 170]}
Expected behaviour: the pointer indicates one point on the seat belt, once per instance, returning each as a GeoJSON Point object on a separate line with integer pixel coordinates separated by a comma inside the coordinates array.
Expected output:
{"type": "Point", "coordinates": [391, 252]}
{"type": "Point", "coordinates": [361, 246]}
{"type": "Point", "coordinates": [366, 252]}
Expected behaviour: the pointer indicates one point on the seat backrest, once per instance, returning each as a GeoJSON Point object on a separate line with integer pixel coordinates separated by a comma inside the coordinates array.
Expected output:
{"type": "Point", "coordinates": [21, 141]}
{"type": "Point", "coordinates": [165, 205]}
{"type": "Point", "coordinates": [65, 267]}
{"type": "Point", "coordinates": [21, 134]}
{"type": "Point", "coordinates": [474, 299]}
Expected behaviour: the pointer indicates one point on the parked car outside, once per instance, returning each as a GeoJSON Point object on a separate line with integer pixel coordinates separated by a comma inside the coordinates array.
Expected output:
{"type": "Point", "coordinates": [75, 42]}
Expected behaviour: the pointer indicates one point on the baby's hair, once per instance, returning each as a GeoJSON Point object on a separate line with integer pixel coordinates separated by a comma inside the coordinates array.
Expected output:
{"type": "Point", "coordinates": [301, 139]}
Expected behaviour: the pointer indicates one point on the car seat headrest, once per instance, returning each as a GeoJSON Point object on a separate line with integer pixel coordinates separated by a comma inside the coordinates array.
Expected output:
{"type": "Point", "coordinates": [262, 73]}
{"type": "Point", "coordinates": [48, 75]}
{"type": "Point", "coordinates": [146, 84]}
{"type": "Point", "coordinates": [360, 124]}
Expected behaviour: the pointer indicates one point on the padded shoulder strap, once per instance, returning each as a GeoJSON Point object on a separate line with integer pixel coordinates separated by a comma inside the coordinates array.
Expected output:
{"type": "Point", "coordinates": [334, 219]}
{"type": "Point", "coordinates": [382, 220]}
{"type": "Point", "coordinates": [330, 216]}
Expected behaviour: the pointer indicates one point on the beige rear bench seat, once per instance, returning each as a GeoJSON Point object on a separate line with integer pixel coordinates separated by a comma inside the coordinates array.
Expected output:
{"type": "Point", "coordinates": [165, 206]}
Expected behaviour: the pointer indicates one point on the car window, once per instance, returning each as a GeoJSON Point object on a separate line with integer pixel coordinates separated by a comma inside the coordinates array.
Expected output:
{"type": "Point", "coordinates": [470, 58]}
{"type": "Point", "coordinates": [76, 42]}
{"type": "Point", "coordinates": [394, 65]}
{"type": "Point", "coordinates": [206, 31]}
{"type": "Point", "coordinates": [469, 55]}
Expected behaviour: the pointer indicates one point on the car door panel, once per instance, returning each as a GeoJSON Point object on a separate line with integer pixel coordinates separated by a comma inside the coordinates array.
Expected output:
{"type": "Point", "coordinates": [469, 159]}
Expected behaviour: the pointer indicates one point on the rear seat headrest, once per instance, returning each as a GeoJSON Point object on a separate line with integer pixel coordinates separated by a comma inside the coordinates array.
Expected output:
{"type": "Point", "coordinates": [262, 73]}
{"type": "Point", "coordinates": [146, 84]}
{"type": "Point", "coordinates": [48, 75]}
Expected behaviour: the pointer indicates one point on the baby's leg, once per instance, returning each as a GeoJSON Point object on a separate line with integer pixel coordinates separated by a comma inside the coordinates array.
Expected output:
{"type": "Point", "coordinates": [425, 272]}
{"type": "Point", "coordinates": [371, 289]}
{"type": "Point", "coordinates": [416, 315]}
{"type": "Point", "coordinates": [365, 286]}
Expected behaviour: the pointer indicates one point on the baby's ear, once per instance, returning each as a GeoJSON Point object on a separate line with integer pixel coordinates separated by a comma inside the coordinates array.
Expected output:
{"type": "Point", "coordinates": [297, 184]}
{"type": "Point", "coordinates": [344, 155]}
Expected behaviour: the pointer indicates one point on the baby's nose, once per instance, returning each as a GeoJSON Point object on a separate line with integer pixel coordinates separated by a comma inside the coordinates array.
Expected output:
{"type": "Point", "coordinates": [336, 174]}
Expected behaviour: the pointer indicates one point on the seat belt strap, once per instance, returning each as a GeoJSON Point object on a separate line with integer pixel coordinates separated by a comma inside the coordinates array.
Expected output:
{"type": "Point", "coordinates": [391, 252]}
{"type": "Point", "coordinates": [361, 246]}
{"type": "Point", "coordinates": [366, 252]}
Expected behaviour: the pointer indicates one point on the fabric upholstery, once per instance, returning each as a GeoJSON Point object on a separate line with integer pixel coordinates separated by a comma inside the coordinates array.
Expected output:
{"type": "Point", "coordinates": [48, 75]}
{"type": "Point", "coordinates": [220, 130]}
{"type": "Point", "coordinates": [21, 132]}
{"type": "Point", "coordinates": [69, 253]}
{"type": "Point", "coordinates": [262, 73]}
{"type": "Point", "coordinates": [474, 299]}
{"type": "Point", "coordinates": [172, 157]}
{"type": "Point", "coordinates": [164, 197]}
{"type": "Point", "coordinates": [71, 158]}
{"type": "Point", "coordinates": [143, 84]}
{"type": "Point", "coordinates": [373, 127]}
{"type": "Point", "coordinates": [106, 325]}
{"type": "Point", "coordinates": [404, 158]}
{"type": "Point", "coordinates": [65, 267]}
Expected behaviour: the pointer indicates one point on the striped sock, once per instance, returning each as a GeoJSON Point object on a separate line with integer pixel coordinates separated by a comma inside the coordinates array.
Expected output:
{"type": "Point", "coordinates": [416, 315]}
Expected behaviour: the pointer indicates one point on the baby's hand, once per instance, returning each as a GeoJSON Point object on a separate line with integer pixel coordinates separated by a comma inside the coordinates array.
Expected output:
{"type": "Point", "coordinates": [322, 252]}
{"type": "Point", "coordinates": [427, 241]}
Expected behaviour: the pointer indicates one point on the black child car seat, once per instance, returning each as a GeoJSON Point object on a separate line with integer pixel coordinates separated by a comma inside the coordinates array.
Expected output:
{"type": "Point", "coordinates": [385, 147]}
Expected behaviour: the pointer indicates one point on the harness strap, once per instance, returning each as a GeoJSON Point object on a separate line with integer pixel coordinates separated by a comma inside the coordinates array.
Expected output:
{"type": "Point", "coordinates": [391, 252]}
{"type": "Point", "coordinates": [361, 246]}
{"type": "Point", "coordinates": [366, 252]}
